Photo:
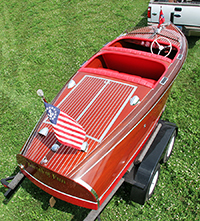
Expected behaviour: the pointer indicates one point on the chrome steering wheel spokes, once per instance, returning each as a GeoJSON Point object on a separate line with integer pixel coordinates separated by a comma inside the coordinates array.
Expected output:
{"type": "Point", "coordinates": [161, 47]}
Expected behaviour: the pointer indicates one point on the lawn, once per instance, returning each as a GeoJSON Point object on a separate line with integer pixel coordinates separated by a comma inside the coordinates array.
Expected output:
{"type": "Point", "coordinates": [42, 44]}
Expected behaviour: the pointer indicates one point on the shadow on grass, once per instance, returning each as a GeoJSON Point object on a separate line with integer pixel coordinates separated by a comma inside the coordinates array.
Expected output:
{"type": "Point", "coordinates": [141, 23]}
{"type": "Point", "coordinates": [192, 41]}
{"type": "Point", "coordinates": [77, 213]}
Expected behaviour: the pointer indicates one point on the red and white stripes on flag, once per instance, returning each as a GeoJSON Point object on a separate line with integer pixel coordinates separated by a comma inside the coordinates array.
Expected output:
{"type": "Point", "coordinates": [67, 130]}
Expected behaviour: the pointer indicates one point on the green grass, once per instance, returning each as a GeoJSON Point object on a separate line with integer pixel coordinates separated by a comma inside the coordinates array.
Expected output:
{"type": "Point", "coordinates": [42, 44]}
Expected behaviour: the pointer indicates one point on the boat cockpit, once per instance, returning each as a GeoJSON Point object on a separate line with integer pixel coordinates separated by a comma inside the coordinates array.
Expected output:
{"type": "Point", "coordinates": [136, 60]}
{"type": "Point", "coordinates": [168, 50]}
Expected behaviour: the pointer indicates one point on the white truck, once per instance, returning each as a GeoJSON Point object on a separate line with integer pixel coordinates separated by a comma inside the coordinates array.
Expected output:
{"type": "Point", "coordinates": [183, 13]}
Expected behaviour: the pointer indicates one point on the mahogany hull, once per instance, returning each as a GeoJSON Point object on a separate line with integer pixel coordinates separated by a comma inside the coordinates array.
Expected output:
{"type": "Point", "coordinates": [116, 130]}
{"type": "Point", "coordinates": [109, 171]}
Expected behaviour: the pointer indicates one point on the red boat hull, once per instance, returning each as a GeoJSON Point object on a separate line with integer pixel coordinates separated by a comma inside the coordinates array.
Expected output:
{"type": "Point", "coordinates": [100, 100]}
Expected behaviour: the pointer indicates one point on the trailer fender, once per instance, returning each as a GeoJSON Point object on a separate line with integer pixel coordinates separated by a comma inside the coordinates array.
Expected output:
{"type": "Point", "coordinates": [148, 170]}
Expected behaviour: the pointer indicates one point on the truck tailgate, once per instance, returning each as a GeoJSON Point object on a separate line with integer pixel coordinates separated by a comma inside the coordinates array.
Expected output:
{"type": "Point", "coordinates": [183, 14]}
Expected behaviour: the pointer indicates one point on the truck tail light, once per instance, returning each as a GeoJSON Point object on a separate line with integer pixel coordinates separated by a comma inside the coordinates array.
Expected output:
{"type": "Point", "coordinates": [149, 12]}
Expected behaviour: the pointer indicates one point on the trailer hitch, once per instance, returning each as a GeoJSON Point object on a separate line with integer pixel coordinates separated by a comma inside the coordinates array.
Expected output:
{"type": "Point", "coordinates": [13, 185]}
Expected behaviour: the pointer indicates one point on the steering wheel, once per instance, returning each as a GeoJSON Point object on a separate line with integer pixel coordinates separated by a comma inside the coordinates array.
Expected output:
{"type": "Point", "coordinates": [161, 47]}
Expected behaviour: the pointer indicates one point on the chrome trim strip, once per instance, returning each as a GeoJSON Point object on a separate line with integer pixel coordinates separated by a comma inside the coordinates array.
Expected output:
{"type": "Point", "coordinates": [117, 114]}
{"type": "Point", "coordinates": [88, 187]}
{"type": "Point", "coordinates": [92, 101]}
{"type": "Point", "coordinates": [83, 183]}
{"type": "Point", "coordinates": [92, 138]}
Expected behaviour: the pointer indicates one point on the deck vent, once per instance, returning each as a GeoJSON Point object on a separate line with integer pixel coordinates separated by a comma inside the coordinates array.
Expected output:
{"type": "Point", "coordinates": [164, 80]}
{"type": "Point", "coordinates": [71, 84]}
{"type": "Point", "coordinates": [44, 160]}
{"type": "Point", "coordinates": [134, 100]}
{"type": "Point", "coordinates": [55, 147]}
{"type": "Point", "coordinates": [84, 147]}
{"type": "Point", "coordinates": [44, 131]}
{"type": "Point", "coordinates": [180, 56]}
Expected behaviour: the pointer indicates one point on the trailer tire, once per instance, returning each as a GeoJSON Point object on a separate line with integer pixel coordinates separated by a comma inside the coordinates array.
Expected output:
{"type": "Point", "coordinates": [169, 148]}
{"type": "Point", "coordinates": [141, 192]}
{"type": "Point", "coordinates": [153, 182]}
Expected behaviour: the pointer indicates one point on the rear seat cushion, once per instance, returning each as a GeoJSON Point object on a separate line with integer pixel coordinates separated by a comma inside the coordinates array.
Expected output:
{"type": "Point", "coordinates": [115, 74]}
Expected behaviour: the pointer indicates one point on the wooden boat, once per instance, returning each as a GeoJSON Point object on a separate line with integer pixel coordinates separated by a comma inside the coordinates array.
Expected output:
{"type": "Point", "coordinates": [117, 96]}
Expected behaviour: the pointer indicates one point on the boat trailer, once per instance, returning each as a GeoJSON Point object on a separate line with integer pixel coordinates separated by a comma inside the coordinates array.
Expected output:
{"type": "Point", "coordinates": [142, 174]}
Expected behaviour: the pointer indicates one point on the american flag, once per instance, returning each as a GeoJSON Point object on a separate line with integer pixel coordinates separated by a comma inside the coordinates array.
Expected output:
{"type": "Point", "coordinates": [67, 130]}
{"type": "Point", "coordinates": [161, 18]}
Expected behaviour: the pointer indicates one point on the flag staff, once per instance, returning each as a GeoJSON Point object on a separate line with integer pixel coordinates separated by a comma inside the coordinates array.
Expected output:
{"type": "Point", "coordinates": [161, 17]}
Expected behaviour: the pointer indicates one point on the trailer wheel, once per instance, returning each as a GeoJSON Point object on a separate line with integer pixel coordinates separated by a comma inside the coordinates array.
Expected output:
{"type": "Point", "coordinates": [169, 148]}
{"type": "Point", "coordinates": [141, 192]}
{"type": "Point", "coordinates": [153, 182]}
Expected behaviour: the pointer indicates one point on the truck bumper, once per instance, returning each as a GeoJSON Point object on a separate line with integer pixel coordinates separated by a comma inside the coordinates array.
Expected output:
{"type": "Point", "coordinates": [187, 30]}
{"type": "Point", "coordinates": [191, 30]}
